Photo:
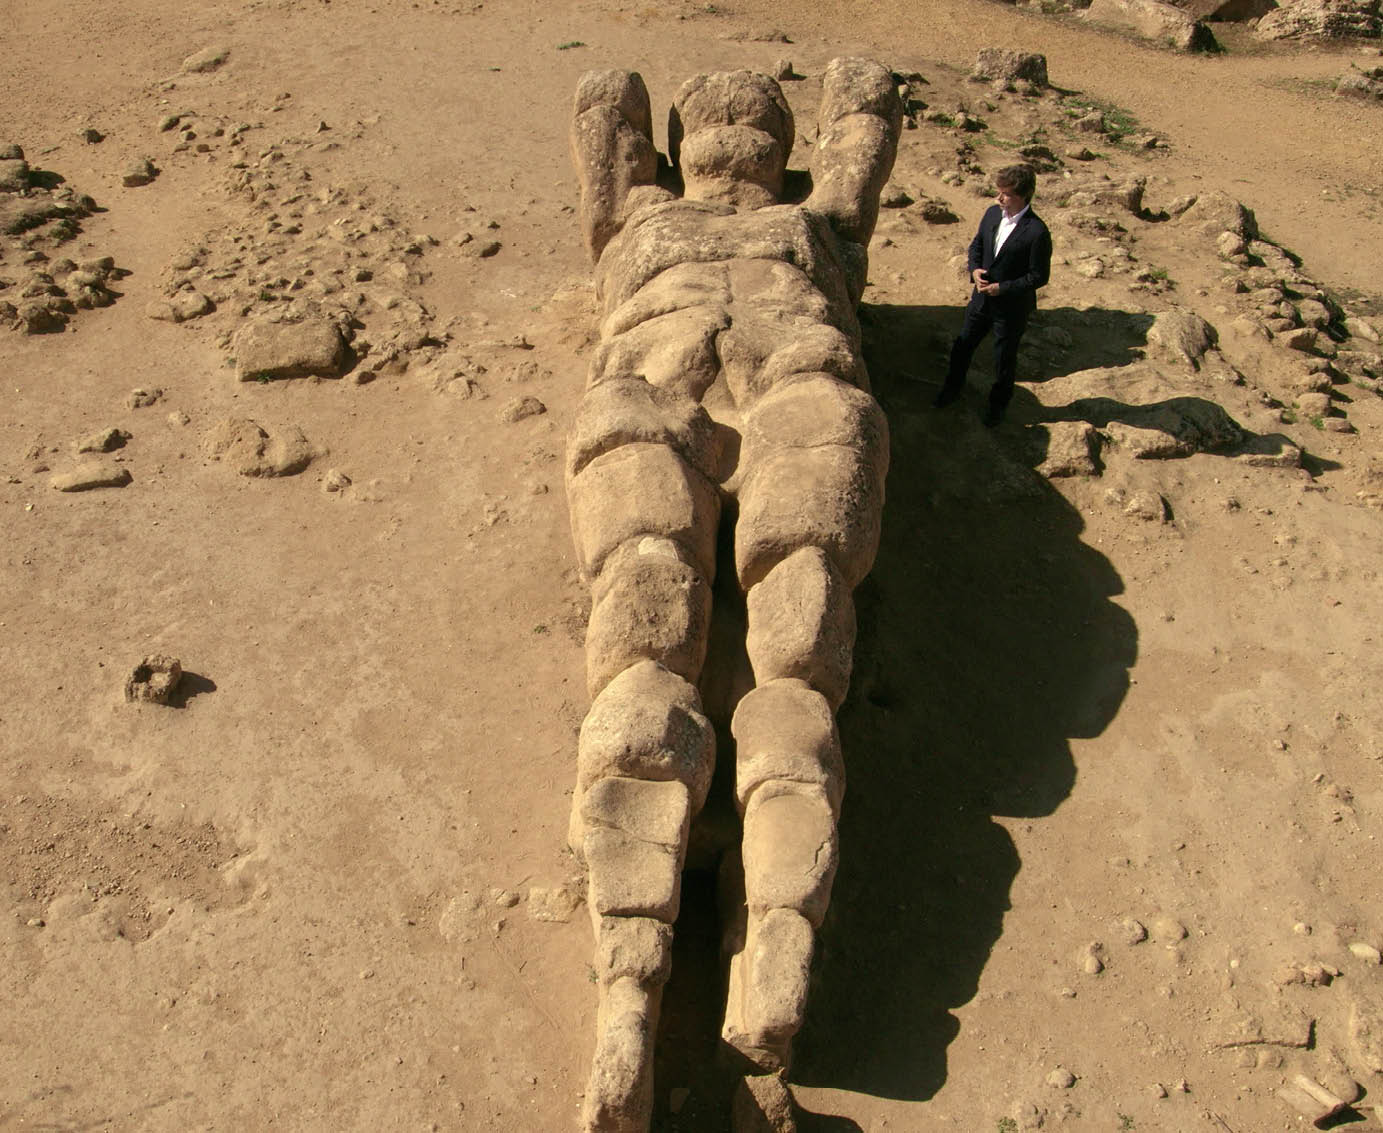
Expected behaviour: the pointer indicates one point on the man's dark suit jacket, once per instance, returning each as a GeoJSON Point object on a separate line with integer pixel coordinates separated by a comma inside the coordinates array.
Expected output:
{"type": "Point", "coordinates": [1021, 267]}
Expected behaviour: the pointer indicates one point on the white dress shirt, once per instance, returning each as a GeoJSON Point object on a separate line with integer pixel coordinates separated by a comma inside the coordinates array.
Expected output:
{"type": "Point", "coordinates": [1006, 225]}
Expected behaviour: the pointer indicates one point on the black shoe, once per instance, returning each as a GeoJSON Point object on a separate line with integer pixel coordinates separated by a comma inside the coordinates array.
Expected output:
{"type": "Point", "coordinates": [947, 396]}
{"type": "Point", "coordinates": [992, 417]}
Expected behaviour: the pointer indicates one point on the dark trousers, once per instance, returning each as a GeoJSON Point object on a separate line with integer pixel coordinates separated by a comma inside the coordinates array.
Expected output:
{"type": "Point", "coordinates": [980, 319]}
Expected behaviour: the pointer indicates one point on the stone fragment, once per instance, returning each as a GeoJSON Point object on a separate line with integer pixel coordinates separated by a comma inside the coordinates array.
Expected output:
{"type": "Point", "coordinates": [1314, 405]}
{"type": "Point", "coordinates": [1312, 1100]}
{"type": "Point", "coordinates": [14, 174]}
{"type": "Point", "coordinates": [1362, 950]}
{"type": "Point", "coordinates": [207, 59]}
{"type": "Point", "coordinates": [335, 481]}
{"type": "Point", "coordinates": [188, 303]}
{"type": "Point", "coordinates": [1320, 19]}
{"type": "Point", "coordinates": [1183, 336]}
{"type": "Point", "coordinates": [553, 905]}
{"type": "Point", "coordinates": [1216, 212]}
{"type": "Point", "coordinates": [630, 877]}
{"type": "Point", "coordinates": [154, 679]}
{"type": "Point", "coordinates": [1366, 1030]}
{"type": "Point", "coordinates": [1146, 505]}
{"type": "Point", "coordinates": [762, 1104]}
{"type": "Point", "coordinates": [1168, 930]}
{"type": "Point", "coordinates": [1133, 931]}
{"type": "Point", "coordinates": [519, 408]}
{"type": "Point", "coordinates": [91, 476]}
{"type": "Point", "coordinates": [1000, 65]}
{"type": "Point", "coordinates": [265, 350]}
{"type": "Point", "coordinates": [252, 451]}
{"type": "Point", "coordinates": [1072, 447]}
{"type": "Point", "coordinates": [142, 398]}
{"type": "Point", "coordinates": [139, 172]}
{"type": "Point", "coordinates": [104, 440]}
{"type": "Point", "coordinates": [1061, 1079]}
{"type": "Point", "coordinates": [1156, 20]}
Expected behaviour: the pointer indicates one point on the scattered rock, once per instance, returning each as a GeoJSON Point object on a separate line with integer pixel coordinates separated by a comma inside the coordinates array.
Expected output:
{"type": "Point", "coordinates": [999, 65]}
{"type": "Point", "coordinates": [1168, 930]}
{"type": "Point", "coordinates": [139, 172]}
{"type": "Point", "coordinates": [1146, 505]}
{"type": "Point", "coordinates": [1320, 19]}
{"type": "Point", "coordinates": [207, 59]}
{"type": "Point", "coordinates": [782, 70]}
{"type": "Point", "coordinates": [106, 440]}
{"type": "Point", "coordinates": [1215, 212]}
{"type": "Point", "coordinates": [266, 350]}
{"type": "Point", "coordinates": [1061, 1079]}
{"type": "Point", "coordinates": [556, 905]}
{"type": "Point", "coordinates": [1362, 950]}
{"type": "Point", "coordinates": [184, 305]}
{"type": "Point", "coordinates": [154, 679]}
{"type": "Point", "coordinates": [142, 398]}
{"type": "Point", "coordinates": [520, 407]}
{"type": "Point", "coordinates": [252, 451]}
{"type": "Point", "coordinates": [763, 1105]}
{"type": "Point", "coordinates": [1132, 931]}
{"type": "Point", "coordinates": [1154, 19]}
{"type": "Point", "coordinates": [1071, 450]}
{"type": "Point", "coordinates": [1183, 336]}
{"type": "Point", "coordinates": [335, 481]}
{"type": "Point", "coordinates": [91, 476]}
{"type": "Point", "coordinates": [1366, 1031]}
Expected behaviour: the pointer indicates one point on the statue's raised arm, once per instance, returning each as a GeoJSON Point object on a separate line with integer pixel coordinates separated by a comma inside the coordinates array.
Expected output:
{"type": "Point", "coordinates": [612, 149]}
{"type": "Point", "coordinates": [857, 142]}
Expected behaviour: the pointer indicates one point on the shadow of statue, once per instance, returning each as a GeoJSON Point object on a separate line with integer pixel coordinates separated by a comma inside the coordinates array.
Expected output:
{"type": "Point", "coordinates": [988, 640]}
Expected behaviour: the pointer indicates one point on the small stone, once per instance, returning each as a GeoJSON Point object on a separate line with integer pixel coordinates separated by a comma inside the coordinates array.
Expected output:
{"type": "Point", "coordinates": [553, 905]}
{"type": "Point", "coordinates": [1061, 1078]}
{"type": "Point", "coordinates": [208, 59]}
{"type": "Point", "coordinates": [504, 898]}
{"type": "Point", "coordinates": [519, 408]}
{"type": "Point", "coordinates": [1133, 931]}
{"type": "Point", "coordinates": [92, 476]}
{"type": "Point", "coordinates": [1159, 1090]}
{"type": "Point", "coordinates": [92, 136]}
{"type": "Point", "coordinates": [1167, 930]}
{"type": "Point", "coordinates": [335, 481]}
{"type": "Point", "coordinates": [168, 122]}
{"type": "Point", "coordinates": [266, 350]}
{"type": "Point", "coordinates": [1090, 959]}
{"type": "Point", "coordinates": [1361, 950]}
{"type": "Point", "coordinates": [139, 172]}
{"type": "Point", "coordinates": [106, 440]}
{"type": "Point", "coordinates": [142, 398]}
{"type": "Point", "coordinates": [782, 70]}
{"type": "Point", "coordinates": [154, 679]}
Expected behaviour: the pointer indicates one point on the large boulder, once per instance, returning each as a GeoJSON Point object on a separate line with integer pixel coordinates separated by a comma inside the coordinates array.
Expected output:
{"type": "Point", "coordinates": [1321, 19]}
{"type": "Point", "coordinates": [1154, 19]}
{"type": "Point", "coordinates": [1226, 10]}
{"type": "Point", "coordinates": [1000, 65]}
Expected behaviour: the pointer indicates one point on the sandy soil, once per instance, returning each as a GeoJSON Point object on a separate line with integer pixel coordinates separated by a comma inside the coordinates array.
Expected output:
{"type": "Point", "coordinates": [326, 888]}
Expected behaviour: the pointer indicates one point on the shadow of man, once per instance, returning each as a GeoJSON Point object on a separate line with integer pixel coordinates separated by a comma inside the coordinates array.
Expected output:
{"type": "Point", "coordinates": [988, 640]}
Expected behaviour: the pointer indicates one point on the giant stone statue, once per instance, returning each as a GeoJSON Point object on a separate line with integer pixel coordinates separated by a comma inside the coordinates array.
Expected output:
{"type": "Point", "coordinates": [728, 384]}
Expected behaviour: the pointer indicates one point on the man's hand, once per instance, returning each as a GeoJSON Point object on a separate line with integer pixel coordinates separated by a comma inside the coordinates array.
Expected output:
{"type": "Point", "coordinates": [981, 280]}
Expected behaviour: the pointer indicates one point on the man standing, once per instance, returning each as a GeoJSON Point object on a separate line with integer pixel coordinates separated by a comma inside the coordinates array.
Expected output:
{"type": "Point", "coordinates": [1010, 258]}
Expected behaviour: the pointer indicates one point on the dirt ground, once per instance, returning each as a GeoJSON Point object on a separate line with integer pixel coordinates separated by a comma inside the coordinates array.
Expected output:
{"type": "Point", "coordinates": [1115, 740]}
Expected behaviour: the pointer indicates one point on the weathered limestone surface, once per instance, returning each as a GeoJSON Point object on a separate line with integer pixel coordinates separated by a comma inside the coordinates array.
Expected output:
{"type": "Point", "coordinates": [728, 382]}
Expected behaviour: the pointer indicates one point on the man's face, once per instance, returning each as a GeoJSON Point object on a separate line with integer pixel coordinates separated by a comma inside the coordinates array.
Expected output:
{"type": "Point", "coordinates": [1010, 201]}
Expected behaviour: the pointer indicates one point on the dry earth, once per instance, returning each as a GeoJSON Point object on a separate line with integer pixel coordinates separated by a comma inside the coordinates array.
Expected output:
{"type": "Point", "coordinates": [326, 887]}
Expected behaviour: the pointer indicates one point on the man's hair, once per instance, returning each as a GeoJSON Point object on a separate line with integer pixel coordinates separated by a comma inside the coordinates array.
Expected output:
{"type": "Point", "coordinates": [1020, 179]}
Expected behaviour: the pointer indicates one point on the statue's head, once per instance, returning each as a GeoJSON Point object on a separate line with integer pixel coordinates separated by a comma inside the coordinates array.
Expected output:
{"type": "Point", "coordinates": [730, 133]}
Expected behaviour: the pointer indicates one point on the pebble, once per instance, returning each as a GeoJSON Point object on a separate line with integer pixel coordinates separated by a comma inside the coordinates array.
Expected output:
{"type": "Point", "coordinates": [1168, 930]}
{"type": "Point", "coordinates": [1301, 928]}
{"type": "Point", "coordinates": [142, 398]}
{"type": "Point", "coordinates": [335, 481]}
{"type": "Point", "coordinates": [104, 440]}
{"type": "Point", "coordinates": [1362, 950]}
{"type": "Point", "coordinates": [1061, 1078]}
{"type": "Point", "coordinates": [139, 172]}
{"type": "Point", "coordinates": [519, 408]}
{"type": "Point", "coordinates": [85, 479]}
{"type": "Point", "coordinates": [1134, 932]}
{"type": "Point", "coordinates": [1090, 961]}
